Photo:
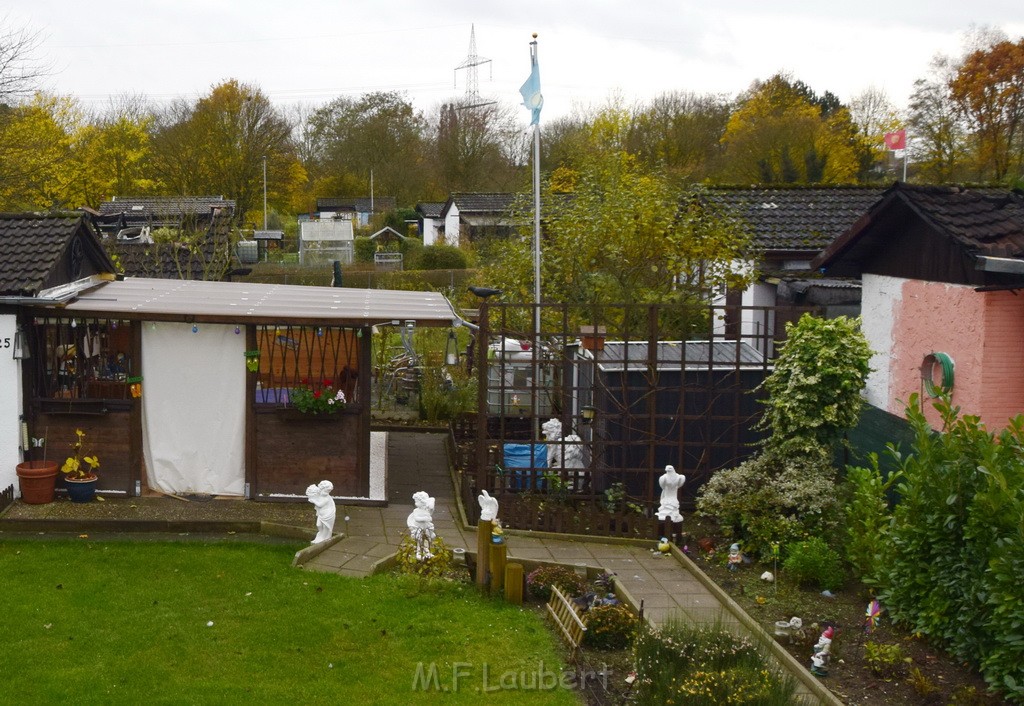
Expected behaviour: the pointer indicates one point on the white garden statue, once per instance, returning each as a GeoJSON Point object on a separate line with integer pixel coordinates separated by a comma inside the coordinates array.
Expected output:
{"type": "Point", "coordinates": [320, 496]}
{"type": "Point", "coordinates": [421, 524]}
{"type": "Point", "coordinates": [488, 506]}
{"type": "Point", "coordinates": [670, 483]}
{"type": "Point", "coordinates": [564, 453]}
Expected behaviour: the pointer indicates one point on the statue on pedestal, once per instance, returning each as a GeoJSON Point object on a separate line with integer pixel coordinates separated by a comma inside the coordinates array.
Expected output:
{"type": "Point", "coordinates": [488, 506]}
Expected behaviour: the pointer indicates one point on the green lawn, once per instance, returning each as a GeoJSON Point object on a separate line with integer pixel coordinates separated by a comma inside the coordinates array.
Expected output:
{"type": "Point", "coordinates": [91, 622]}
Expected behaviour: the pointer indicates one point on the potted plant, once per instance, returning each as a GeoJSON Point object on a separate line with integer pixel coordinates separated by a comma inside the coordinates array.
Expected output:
{"type": "Point", "coordinates": [37, 478]}
{"type": "Point", "coordinates": [80, 471]}
{"type": "Point", "coordinates": [318, 398]}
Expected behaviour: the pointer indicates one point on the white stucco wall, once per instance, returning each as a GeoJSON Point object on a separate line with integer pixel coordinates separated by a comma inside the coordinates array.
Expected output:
{"type": "Point", "coordinates": [10, 410]}
{"type": "Point", "coordinates": [879, 298]}
{"type": "Point", "coordinates": [451, 226]}
{"type": "Point", "coordinates": [430, 226]}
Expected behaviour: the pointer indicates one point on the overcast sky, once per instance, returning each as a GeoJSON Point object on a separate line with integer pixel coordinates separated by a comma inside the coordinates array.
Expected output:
{"type": "Point", "coordinates": [590, 50]}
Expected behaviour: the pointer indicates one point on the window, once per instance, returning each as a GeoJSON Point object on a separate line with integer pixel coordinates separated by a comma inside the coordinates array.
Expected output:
{"type": "Point", "coordinates": [83, 358]}
{"type": "Point", "coordinates": [306, 356]}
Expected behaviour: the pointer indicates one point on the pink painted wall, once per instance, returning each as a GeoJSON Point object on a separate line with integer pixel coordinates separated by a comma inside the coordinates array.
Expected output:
{"type": "Point", "coordinates": [983, 332]}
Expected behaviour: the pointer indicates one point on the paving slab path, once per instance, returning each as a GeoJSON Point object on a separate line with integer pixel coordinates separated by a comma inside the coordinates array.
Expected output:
{"type": "Point", "coordinates": [667, 585]}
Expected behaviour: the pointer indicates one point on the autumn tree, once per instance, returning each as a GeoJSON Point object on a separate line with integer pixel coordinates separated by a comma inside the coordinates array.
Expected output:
{"type": "Point", "coordinates": [623, 234]}
{"type": "Point", "coordinates": [379, 133]}
{"type": "Point", "coordinates": [938, 148]}
{"type": "Point", "coordinates": [217, 144]}
{"type": "Point", "coordinates": [782, 132]}
{"type": "Point", "coordinates": [20, 67]}
{"type": "Point", "coordinates": [477, 148]}
{"type": "Point", "coordinates": [874, 115]}
{"type": "Point", "coordinates": [680, 132]}
{"type": "Point", "coordinates": [37, 171]}
{"type": "Point", "coordinates": [112, 151]}
{"type": "Point", "coordinates": [988, 90]}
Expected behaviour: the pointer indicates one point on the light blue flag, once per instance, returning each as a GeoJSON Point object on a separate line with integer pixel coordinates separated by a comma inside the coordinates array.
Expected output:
{"type": "Point", "coordinates": [530, 90]}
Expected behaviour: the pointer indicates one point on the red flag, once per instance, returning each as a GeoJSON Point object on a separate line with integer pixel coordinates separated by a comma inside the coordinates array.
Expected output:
{"type": "Point", "coordinates": [896, 140]}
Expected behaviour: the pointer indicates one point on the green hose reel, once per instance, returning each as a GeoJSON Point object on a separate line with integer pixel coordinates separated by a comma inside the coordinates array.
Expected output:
{"type": "Point", "coordinates": [928, 374]}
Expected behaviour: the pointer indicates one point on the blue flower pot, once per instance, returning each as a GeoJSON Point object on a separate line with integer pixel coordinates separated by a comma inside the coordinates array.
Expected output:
{"type": "Point", "coordinates": [81, 491]}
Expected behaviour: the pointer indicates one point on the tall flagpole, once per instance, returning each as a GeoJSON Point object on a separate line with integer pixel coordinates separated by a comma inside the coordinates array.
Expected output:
{"type": "Point", "coordinates": [534, 100]}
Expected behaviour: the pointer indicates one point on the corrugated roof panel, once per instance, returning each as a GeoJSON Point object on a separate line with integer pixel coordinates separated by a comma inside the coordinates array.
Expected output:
{"type": "Point", "coordinates": [137, 297]}
{"type": "Point", "coordinates": [671, 355]}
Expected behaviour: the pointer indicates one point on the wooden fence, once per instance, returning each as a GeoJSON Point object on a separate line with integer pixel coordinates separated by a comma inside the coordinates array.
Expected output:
{"type": "Point", "coordinates": [637, 387]}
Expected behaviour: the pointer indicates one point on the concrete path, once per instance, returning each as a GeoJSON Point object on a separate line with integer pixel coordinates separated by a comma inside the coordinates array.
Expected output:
{"type": "Point", "coordinates": [668, 586]}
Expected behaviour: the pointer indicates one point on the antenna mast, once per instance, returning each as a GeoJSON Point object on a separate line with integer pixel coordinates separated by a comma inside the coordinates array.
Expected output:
{"type": "Point", "coordinates": [470, 63]}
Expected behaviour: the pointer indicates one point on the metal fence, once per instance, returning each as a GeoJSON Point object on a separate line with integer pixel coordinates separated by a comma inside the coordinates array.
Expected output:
{"type": "Point", "coordinates": [578, 417]}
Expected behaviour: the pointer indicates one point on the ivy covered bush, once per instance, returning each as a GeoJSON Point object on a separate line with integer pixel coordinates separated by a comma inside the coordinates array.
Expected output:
{"type": "Point", "coordinates": [787, 493]}
{"type": "Point", "coordinates": [783, 495]}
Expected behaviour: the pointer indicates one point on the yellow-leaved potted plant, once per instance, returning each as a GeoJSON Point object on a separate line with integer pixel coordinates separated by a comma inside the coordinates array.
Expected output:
{"type": "Point", "coordinates": [80, 471]}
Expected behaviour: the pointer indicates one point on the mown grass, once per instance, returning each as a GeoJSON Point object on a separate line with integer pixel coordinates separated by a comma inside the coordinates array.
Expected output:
{"type": "Point", "coordinates": [93, 622]}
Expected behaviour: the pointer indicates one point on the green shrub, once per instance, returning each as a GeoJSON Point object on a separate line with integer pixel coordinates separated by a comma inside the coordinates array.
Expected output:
{"type": "Point", "coordinates": [692, 664]}
{"type": "Point", "coordinates": [884, 659]}
{"type": "Point", "coordinates": [540, 580]}
{"type": "Point", "coordinates": [609, 627]}
{"type": "Point", "coordinates": [814, 388]}
{"type": "Point", "coordinates": [954, 555]}
{"type": "Point", "coordinates": [868, 518]}
{"type": "Point", "coordinates": [812, 562]}
{"type": "Point", "coordinates": [784, 495]}
{"type": "Point", "coordinates": [437, 566]}
{"type": "Point", "coordinates": [440, 257]}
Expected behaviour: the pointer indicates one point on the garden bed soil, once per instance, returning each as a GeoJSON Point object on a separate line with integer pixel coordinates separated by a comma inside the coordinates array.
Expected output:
{"type": "Point", "coordinates": [925, 674]}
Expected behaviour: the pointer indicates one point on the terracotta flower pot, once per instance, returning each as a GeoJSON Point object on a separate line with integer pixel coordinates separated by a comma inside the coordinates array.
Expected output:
{"type": "Point", "coordinates": [37, 479]}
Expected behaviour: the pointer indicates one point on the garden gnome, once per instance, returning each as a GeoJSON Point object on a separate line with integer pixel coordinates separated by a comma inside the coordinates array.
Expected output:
{"type": "Point", "coordinates": [670, 483]}
{"type": "Point", "coordinates": [320, 496]}
{"type": "Point", "coordinates": [735, 558]}
{"type": "Point", "coordinates": [488, 506]}
{"type": "Point", "coordinates": [822, 650]}
{"type": "Point", "coordinates": [421, 524]}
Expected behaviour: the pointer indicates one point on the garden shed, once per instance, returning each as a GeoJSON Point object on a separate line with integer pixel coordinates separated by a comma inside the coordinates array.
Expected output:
{"type": "Point", "coordinates": [192, 387]}
{"type": "Point", "coordinates": [689, 404]}
{"type": "Point", "coordinates": [185, 386]}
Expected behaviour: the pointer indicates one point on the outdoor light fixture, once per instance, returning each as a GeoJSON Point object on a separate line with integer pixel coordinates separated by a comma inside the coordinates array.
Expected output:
{"type": "Point", "coordinates": [451, 349]}
{"type": "Point", "coordinates": [21, 350]}
{"type": "Point", "coordinates": [587, 413]}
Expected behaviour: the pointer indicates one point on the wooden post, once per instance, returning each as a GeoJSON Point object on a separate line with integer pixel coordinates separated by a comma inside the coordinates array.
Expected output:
{"type": "Point", "coordinates": [483, 551]}
{"type": "Point", "coordinates": [514, 583]}
{"type": "Point", "coordinates": [498, 556]}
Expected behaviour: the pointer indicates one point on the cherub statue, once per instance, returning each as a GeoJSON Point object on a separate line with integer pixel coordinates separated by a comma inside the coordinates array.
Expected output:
{"type": "Point", "coordinates": [563, 453]}
{"type": "Point", "coordinates": [320, 496]}
{"type": "Point", "coordinates": [670, 483]}
{"type": "Point", "coordinates": [421, 524]}
{"type": "Point", "coordinates": [488, 506]}
{"type": "Point", "coordinates": [552, 430]}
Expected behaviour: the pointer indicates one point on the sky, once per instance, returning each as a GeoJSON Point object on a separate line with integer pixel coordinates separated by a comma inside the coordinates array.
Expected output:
{"type": "Point", "coordinates": [591, 52]}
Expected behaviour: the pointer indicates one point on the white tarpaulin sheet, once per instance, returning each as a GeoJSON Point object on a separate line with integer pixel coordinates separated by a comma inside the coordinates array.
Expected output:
{"type": "Point", "coordinates": [193, 408]}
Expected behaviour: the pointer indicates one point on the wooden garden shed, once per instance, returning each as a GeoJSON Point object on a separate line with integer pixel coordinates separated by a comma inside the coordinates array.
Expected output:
{"type": "Point", "coordinates": [190, 387]}
{"type": "Point", "coordinates": [183, 386]}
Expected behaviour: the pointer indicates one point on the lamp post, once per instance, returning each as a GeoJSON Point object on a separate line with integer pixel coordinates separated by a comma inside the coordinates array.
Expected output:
{"type": "Point", "coordinates": [264, 192]}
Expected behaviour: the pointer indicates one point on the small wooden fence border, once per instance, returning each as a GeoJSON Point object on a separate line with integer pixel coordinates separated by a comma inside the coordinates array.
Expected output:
{"type": "Point", "coordinates": [6, 497]}
{"type": "Point", "coordinates": [564, 615]}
